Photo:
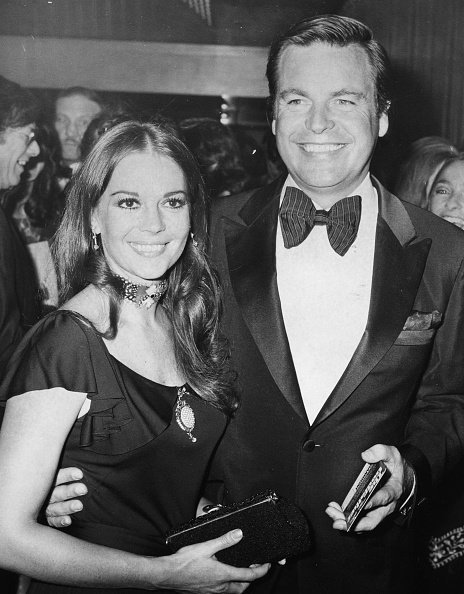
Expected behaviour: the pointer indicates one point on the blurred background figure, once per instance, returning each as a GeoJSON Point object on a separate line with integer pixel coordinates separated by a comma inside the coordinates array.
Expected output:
{"type": "Point", "coordinates": [100, 124]}
{"type": "Point", "coordinates": [75, 108]}
{"type": "Point", "coordinates": [36, 203]}
{"type": "Point", "coordinates": [218, 155]}
{"type": "Point", "coordinates": [35, 206]}
{"type": "Point", "coordinates": [446, 197]}
{"type": "Point", "coordinates": [419, 168]}
{"type": "Point", "coordinates": [18, 292]}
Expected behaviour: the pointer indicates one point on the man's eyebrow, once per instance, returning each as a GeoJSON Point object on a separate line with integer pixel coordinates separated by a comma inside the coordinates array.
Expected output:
{"type": "Point", "coordinates": [292, 91]}
{"type": "Point", "coordinates": [351, 93]}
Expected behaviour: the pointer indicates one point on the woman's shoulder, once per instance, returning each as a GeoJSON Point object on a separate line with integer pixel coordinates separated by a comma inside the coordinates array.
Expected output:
{"type": "Point", "coordinates": [91, 305]}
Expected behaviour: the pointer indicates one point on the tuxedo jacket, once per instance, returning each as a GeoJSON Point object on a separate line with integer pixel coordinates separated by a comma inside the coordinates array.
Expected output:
{"type": "Point", "coordinates": [19, 296]}
{"type": "Point", "coordinates": [404, 385]}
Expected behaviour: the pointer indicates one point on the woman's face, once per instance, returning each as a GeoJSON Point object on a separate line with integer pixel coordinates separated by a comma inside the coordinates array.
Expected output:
{"type": "Point", "coordinates": [447, 195]}
{"type": "Point", "coordinates": [143, 216]}
{"type": "Point", "coordinates": [17, 146]}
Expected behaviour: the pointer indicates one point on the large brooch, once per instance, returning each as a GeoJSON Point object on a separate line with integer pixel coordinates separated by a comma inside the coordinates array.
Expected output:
{"type": "Point", "coordinates": [185, 416]}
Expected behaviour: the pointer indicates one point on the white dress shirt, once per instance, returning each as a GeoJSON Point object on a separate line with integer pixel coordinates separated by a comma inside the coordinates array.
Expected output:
{"type": "Point", "coordinates": [325, 300]}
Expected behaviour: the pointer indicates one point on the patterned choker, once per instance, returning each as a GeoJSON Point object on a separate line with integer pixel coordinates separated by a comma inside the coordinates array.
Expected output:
{"type": "Point", "coordinates": [145, 295]}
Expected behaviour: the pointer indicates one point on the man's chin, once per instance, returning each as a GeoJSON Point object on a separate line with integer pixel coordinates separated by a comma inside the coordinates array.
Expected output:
{"type": "Point", "coordinates": [70, 157]}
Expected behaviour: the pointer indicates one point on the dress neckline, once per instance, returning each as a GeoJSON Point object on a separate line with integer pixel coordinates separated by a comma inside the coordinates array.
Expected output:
{"type": "Point", "coordinates": [118, 362]}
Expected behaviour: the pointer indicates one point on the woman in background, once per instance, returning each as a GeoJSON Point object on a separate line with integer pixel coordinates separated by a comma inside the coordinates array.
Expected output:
{"type": "Point", "coordinates": [446, 197]}
{"type": "Point", "coordinates": [127, 380]}
{"type": "Point", "coordinates": [418, 170]}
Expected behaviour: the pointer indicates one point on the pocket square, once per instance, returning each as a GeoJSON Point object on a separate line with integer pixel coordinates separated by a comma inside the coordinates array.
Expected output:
{"type": "Point", "coordinates": [420, 320]}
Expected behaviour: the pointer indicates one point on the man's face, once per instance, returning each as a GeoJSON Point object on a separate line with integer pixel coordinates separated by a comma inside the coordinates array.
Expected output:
{"type": "Point", "coordinates": [73, 115]}
{"type": "Point", "coordinates": [17, 146]}
{"type": "Point", "coordinates": [325, 118]}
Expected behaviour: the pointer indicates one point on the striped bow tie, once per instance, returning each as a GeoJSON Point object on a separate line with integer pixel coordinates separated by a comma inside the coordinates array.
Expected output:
{"type": "Point", "coordinates": [298, 216]}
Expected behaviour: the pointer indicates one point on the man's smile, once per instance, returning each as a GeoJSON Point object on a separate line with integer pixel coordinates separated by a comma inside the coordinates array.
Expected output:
{"type": "Point", "coordinates": [311, 147]}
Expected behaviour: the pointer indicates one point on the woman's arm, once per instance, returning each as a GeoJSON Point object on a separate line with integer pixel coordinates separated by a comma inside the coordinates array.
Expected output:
{"type": "Point", "coordinates": [34, 430]}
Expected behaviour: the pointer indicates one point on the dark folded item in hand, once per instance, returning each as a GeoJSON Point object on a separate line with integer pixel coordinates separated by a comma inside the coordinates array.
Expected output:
{"type": "Point", "coordinates": [273, 529]}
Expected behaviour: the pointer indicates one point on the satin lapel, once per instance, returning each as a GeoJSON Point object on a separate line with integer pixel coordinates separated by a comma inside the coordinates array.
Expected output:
{"type": "Point", "coordinates": [250, 247]}
{"type": "Point", "coordinates": [399, 263]}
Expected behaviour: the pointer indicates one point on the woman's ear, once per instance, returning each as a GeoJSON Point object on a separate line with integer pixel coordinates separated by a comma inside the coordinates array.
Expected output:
{"type": "Point", "coordinates": [95, 224]}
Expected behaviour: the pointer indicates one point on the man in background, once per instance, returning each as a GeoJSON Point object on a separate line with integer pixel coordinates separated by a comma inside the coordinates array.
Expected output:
{"type": "Point", "coordinates": [19, 297]}
{"type": "Point", "coordinates": [75, 108]}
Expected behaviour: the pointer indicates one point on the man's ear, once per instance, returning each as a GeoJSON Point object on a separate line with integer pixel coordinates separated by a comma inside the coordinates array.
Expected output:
{"type": "Point", "coordinates": [273, 126]}
{"type": "Point", "coordinates": [383, 124]}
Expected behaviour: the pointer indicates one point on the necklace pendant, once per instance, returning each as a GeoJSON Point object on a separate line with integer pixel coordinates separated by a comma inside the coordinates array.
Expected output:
{"type": "Point", "coordinates": [185, 417]}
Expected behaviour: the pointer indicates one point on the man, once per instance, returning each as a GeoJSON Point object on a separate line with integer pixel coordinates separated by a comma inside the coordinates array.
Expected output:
{"type": "Point", "coordinates": [347, 343]}
{"type": "Point", "coordinates": [19, 300]}
{"type": "Point", "coordinates": [75, 108]}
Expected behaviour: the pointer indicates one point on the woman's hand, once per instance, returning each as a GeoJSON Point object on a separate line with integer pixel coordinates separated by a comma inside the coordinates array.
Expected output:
{"type": "Point", "coordinates": [194, 568]}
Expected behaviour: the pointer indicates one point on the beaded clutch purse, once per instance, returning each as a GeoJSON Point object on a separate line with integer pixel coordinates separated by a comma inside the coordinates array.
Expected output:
{"type": "Point", "coordinates": [273, 529]}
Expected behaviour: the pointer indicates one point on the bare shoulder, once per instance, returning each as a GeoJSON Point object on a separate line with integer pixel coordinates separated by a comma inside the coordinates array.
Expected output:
{"type": "Point", "coordinates": [92, 304]}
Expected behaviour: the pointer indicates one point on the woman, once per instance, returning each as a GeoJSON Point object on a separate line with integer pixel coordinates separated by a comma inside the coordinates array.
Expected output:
{"type": "Point", "coordinates": [127, 381]}
{"type": "Point", "coordinates": [418, 170]}
{"type": "Point", "coordinates": [446, 197]}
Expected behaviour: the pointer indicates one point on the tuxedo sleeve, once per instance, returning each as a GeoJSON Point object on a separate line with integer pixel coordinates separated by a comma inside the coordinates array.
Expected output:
{"type": "Point", "coordinates": [434, 439]}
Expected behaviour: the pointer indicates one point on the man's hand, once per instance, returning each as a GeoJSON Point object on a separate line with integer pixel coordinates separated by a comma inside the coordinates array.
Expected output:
{"type": "Point", "coordinates": [385, 500]}
{"type": "Point", "coordinates": [63, 500]}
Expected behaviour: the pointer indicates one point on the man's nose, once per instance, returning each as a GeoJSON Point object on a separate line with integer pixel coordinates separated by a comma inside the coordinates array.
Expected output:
{"type": "Point", "coordinates": [318, 119]}
{"type": "Point", "coordinates": [33, 150]}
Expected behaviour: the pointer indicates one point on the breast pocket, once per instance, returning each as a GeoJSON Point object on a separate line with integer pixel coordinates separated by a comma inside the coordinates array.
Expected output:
{"type": "Point", "coordinates": [415, 337]}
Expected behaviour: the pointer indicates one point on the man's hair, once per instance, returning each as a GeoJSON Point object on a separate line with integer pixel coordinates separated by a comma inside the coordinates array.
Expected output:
{"type": "Point", "coordinates": [89, 94]}
{"type": "Point", "coordinates": [335, 30]}
{"type": "Point", "coordinates": [18, 106]}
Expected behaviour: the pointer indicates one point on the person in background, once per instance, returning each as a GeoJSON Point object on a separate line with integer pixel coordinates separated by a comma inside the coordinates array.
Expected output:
{"type": "Point", "coordinates": [100, 124]}
{"type": "Point", "coordinates": [143, 410]}
{"type": "Point", "coordinates": [446, 196]}
{"type": "Point", "coordinates": [37, 203]}
{"type": "Point", "coordinates": [35, 206]}
{"type": "Point", "coordinates": [19, 304]}
{"type": "Point", "coordinates": [419, 168]}
{"type": "Point", "coordinates": [442, 518]}
{"type": "Point", "coordinates": [75, 107]}
{"type": "Point", "coordinates": [217, 153]}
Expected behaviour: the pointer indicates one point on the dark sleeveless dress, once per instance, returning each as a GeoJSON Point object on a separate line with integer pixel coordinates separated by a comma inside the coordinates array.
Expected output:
{"type": "Point", "coordinates": [143, 468]}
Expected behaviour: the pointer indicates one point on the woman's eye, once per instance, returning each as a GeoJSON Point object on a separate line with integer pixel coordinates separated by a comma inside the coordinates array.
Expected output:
{"type": "Point", "coordinates": [176, 202]}
{"type": "Point", "coordinates": [128, 203]}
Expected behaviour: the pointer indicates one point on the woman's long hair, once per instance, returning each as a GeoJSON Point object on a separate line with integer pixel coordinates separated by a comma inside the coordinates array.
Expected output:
{"type": "Point", "coordinates": [192, 300]}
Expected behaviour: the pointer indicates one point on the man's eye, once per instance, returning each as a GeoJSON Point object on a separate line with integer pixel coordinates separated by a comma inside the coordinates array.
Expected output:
{"type": "Point", "coordinates": [441, 190]}
{"type": "Point", "coordinates": [345, 102]}
{"type": "Point", "coordinates": [128, 203]}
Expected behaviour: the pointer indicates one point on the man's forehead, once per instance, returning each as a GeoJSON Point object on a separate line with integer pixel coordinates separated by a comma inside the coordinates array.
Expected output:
{"type": "Point", "coordinates": [321, 58]}
{"type": "Point", "coordinates": [77, 104]}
